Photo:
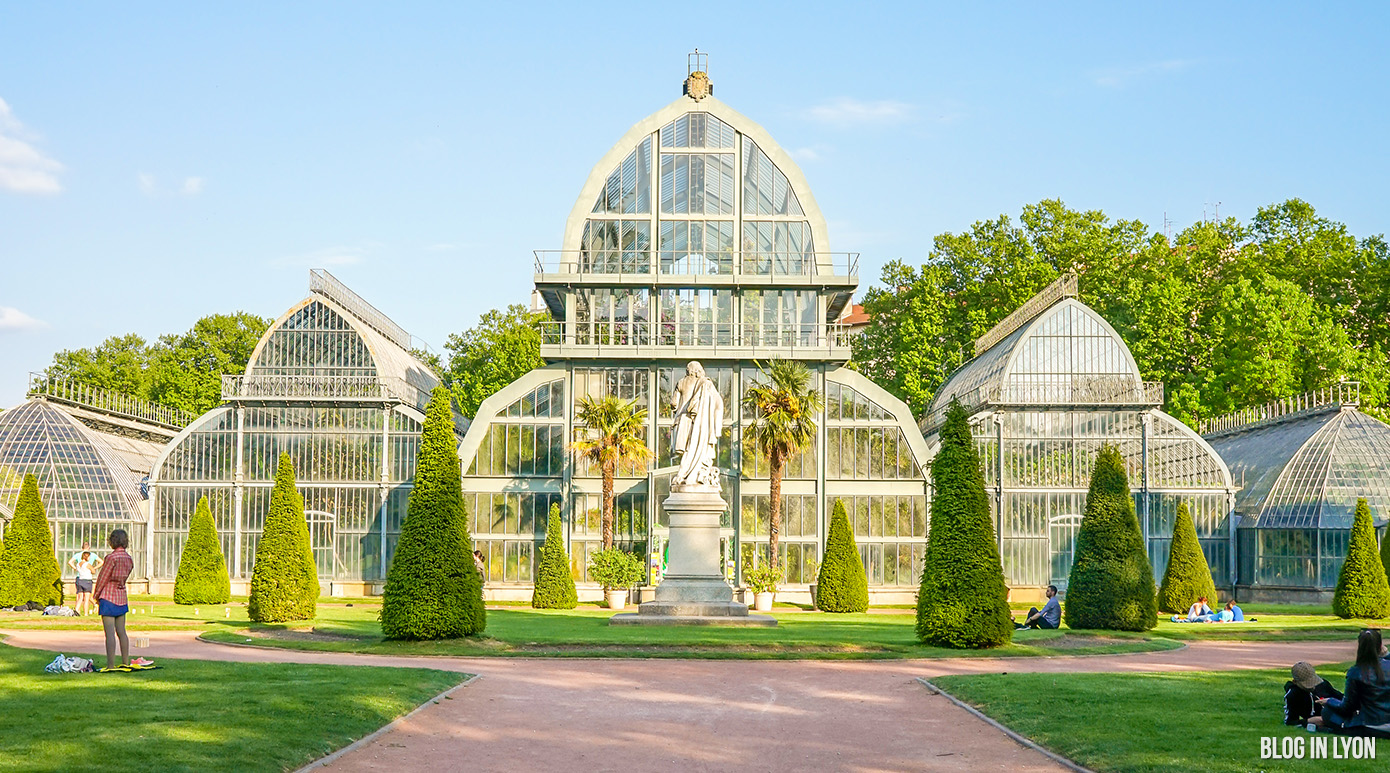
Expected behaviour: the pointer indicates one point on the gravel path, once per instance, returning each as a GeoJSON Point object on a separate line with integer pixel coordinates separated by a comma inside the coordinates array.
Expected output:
{"type": "Point", "coordinates": [704, 715]}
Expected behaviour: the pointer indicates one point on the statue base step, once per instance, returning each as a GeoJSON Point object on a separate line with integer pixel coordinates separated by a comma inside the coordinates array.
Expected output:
{"type": "Point", "coordinates": [670, 616]}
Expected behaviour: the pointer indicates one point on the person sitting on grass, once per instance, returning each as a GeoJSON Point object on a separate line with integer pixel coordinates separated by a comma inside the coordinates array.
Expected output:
{"type": "Point", "coordinates": [112, 602]}
{"type": "Point", "coordinates": [1049, 618]}
{"type": "Point", "coordinates": [1365, 710]}
{"type": "Point", "coordinates": [1301, 694]}
{"type": "Point", "coordinates": [1199, 612]}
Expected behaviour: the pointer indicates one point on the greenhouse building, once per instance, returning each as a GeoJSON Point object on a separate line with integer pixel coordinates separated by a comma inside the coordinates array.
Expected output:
{"type": "Point", "coordinates": [1301, 464]}
{"type": "Point", "coordinates": [1049, 385]}
{"type": "Point", "coordinates": [90, 450]}
{"type": "Point", "coordinates": [335, 384]}
{"type": "Point", "coordinates": [695, 238]}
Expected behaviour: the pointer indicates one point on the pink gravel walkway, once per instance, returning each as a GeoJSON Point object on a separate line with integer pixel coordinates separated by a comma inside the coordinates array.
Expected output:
{"type": "Point", "coordinates": [699, 715]}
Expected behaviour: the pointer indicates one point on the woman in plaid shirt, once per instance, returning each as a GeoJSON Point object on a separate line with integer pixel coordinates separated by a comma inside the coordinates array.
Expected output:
{"type": "Point", "coordinates": [112, 603]}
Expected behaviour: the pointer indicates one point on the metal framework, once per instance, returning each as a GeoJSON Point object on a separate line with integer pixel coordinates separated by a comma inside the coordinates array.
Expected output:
{"type": "Point", "coordinates": [695, 238]}
{"type": "Point", "coordinates": [107, 401]}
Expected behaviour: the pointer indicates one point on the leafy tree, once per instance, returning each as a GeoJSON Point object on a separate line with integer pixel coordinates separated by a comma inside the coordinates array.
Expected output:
{"type": "Point", "coordinates": [180, 370]}
{"type": "Point", "coordinates": [785, 411]}
{"type": "Point", "coordinates": [28, 568]}
{"type": "Point", "coordinates": [1362, 589]}
{"type": "Point", "coordinates": [963, 601]}
{"type": "Point", "coordinates": [841, 585]}
{"type": "Point", "coordinates": [202, 577]}
{"type": "Point", "coordinates": [187, 368]}
{"type": "Point", "coordinates": [1188, 577]}
{"type": "Point", "coordinates": [905, 350]}
{"type": "Point", "coordinates": [501, 348]}
{"type": "Point", "coordinates": [614, 435]}
{"type": "Point", "coordinates": [554, 587]}
{"type": "Point", "coordinates": [1111, 584]}
{"type": "Point", "coordinates": [285, 580]}
{"type": "Point", "coordinates": [433, 589]}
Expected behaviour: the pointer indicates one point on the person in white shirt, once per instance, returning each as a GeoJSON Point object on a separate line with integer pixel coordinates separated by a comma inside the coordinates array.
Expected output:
{"type": "Point", "coordinates": [85, 563]}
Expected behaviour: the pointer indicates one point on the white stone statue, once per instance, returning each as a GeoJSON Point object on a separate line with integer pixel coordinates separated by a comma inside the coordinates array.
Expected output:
{"type": "Point", "coordinates": [699, 423]}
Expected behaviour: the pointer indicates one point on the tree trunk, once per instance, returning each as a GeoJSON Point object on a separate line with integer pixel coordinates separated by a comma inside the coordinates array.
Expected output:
{"type": "Point", "coordinates": [774, 504]}
{"type": "Point", "coordinates": [608, 473]}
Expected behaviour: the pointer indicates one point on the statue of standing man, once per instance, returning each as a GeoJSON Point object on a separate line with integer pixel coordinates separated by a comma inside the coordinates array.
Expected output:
{"type": "Point", "coordinates": [699, 423]}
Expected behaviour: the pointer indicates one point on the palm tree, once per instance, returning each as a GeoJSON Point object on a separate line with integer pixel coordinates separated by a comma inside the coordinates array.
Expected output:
{"type": "Point", "coordinates": [785, 411]}
{"type": "Point", "coordinates": [615, 435]}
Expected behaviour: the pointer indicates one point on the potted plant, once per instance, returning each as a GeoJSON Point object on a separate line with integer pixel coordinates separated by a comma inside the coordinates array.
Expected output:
{"type": "Point", "coordinates": [617, 571]}
{"type": "Point", "coordinates": [762, 580]}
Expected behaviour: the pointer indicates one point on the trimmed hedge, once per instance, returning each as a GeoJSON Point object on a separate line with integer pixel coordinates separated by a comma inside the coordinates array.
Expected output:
{"type": "Point", "coordinates": [28, 567]}
{"type": "Point", "coordinates": [841, 585]}
{"type": "Point", "coordinates": [285, 580]}
{"type": "Point", "coordinates": [433, 589]}
{"type": "Point", "coordinates": [202, 577]}
{"type": "Point", "coordinates": [1188, 577]}
{"type": "Point", "coordinates": [554, 585]}
{"type": "Point", "coordinates": [1362, 590]}
{"type": "Point", "coordinates": [1111, 585]}
{"type": "Point", "coordinates": [963, 601]}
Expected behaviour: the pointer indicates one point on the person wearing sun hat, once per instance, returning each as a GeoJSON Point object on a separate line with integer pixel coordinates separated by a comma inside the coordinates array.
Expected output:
{"type": "Point", "coordinates": [1301, 692]}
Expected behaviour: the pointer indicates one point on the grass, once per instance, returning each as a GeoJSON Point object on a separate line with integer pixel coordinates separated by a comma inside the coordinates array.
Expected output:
{"type": "Point", "coordinates": [586, 633]}
{"type": "Point", "coordinates": [197, 716]}
{"type": "Point", "coordinates": [1192, 721]}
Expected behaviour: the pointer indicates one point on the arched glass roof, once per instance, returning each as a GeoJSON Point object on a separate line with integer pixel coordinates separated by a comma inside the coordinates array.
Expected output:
{"type": "Point", "coordinates": [80, 476]}
{"type": "Point", "coordinates": [707, 188]}
{"type": "Point", "coordinates": [1064, 355]}
{"type": "Point", "coordinates": [1308, 472]}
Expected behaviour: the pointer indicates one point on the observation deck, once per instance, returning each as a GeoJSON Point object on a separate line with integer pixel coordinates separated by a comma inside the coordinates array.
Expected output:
{"type": "Point", "coordinates": [107, 404]}
{"type": "Point", "coordinates": [1334, 398]}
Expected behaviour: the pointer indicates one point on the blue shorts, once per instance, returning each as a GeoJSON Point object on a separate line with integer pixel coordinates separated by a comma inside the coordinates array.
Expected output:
{"type": "Point", "coordinates": [107, 609]}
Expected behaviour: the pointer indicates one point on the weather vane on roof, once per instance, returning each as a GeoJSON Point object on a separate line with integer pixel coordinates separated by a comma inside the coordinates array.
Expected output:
{"type": "Point", "coordinates": [697, 85]}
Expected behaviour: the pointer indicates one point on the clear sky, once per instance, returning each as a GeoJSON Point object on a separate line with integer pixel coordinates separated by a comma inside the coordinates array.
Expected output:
{"type": "Point", "coordinates": [160, 162]}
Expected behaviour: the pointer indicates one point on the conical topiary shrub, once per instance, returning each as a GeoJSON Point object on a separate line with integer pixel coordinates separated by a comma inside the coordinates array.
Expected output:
{"type": "Point", "coordinates": [1362, 590]}
{"type": "Point", "coordinates": [28, 569]}
{"type": "Point", "coordinates": [840, 585]}
{"type": "Point", "coordinates": [1111, 584]}
{"type": "Point", "coordinates": [963, 601]}
{"type": "Point", "coordinates": [1188, 577]}
{"type": "Point", "coordinates": [285, 580]}
{"type": "Point", "coordinates": [554, 585]}
{"type": "Point", "coordinates": [202, 577]}
{"type": "Point", "coordinates": [433, 590]}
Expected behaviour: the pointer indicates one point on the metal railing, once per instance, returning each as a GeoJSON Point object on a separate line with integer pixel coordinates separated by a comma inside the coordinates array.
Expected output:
{"type": "Point", "coordinates": [316, 388]}
{"type": "Point", "coordinates": [1347, 393]}
{"type": "Point", "coordinates": [108, 401]}
{"type": "Point", "coordinates": [619, 262]}
{"type": "Point", "coordinates": [330, 287]}
{"type": "Point", "coordinates": [1064, 286]}
{"type": "Point", "coordinates": [714, 334]}
{"type": "Point", "coordinates": [1081, 391]}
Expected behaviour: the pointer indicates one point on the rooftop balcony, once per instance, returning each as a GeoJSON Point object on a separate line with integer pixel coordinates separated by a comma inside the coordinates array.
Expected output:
{"type": "Point", "coordinates": [699, 341]}
{"type": "Point", "coordinates": [107, 402]}
{"type": "Point", "coordinates": [1063, 393]}
{"type": "Point", "coordinates": [320, 389]}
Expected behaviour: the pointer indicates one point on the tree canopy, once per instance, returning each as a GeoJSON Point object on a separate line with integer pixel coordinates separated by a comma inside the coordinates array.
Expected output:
{"type": "Point", "coordinates": [1227, 313]}
{"type": "Point", "coordinates": [502, 347]}
{"type": "Point", "coordinates": [182, 370]}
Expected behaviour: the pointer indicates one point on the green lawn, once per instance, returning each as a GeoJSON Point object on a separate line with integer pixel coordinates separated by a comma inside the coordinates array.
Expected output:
{"type": "Point", "coordinates": [1155, 723]}
{"type": "Point", "coordinates": [194, 715]}
{"type": "Point", "coordinates": [586, 633]}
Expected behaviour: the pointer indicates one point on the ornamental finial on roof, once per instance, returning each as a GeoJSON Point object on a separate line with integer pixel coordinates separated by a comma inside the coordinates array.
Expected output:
{"type": "Point", "coordinates": [697, 85]}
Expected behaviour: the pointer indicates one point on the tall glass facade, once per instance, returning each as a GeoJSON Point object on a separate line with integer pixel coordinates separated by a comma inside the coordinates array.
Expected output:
{"type": "Point", "coordinates": [333, 384]}
{"type": "Point", "coordinates": [1301, 474]}
{"type": "Point", "coordinates": [696, 238]}
{"type": "Point", "coordinates": [1044, 398]}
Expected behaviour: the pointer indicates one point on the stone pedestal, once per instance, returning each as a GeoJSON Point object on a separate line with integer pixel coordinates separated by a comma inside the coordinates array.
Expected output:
{"type": "Point", "coordinates": [694, 591]}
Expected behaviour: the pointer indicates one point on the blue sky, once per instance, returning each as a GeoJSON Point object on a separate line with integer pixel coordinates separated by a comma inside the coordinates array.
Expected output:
{"type": "Point", "coordinates": [159, 162]}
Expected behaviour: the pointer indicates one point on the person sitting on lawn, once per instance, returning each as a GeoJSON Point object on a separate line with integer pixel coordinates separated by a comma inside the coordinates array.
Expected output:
{"type": "Point", "coordinates": [1365, 710]}
{"type": "Point", "coordinates": [1050, 617]}
{"type": "Point", "coordinates": [1301, 694]}
{"type": "Point", "coordinates": [1199, 612]}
